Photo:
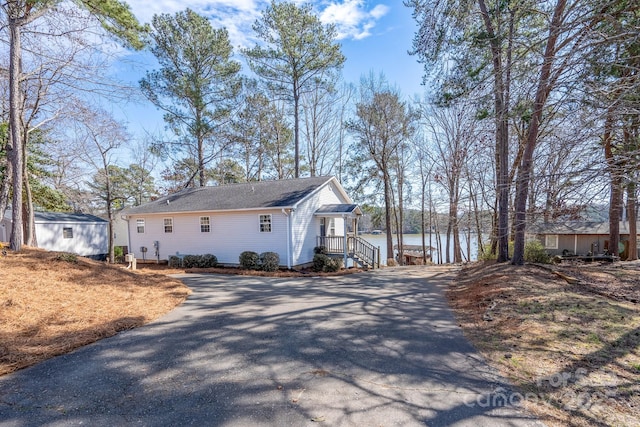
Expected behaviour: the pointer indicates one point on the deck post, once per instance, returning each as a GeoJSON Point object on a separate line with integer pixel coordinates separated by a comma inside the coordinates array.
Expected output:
{"type": "Point", "coordinates": [344, 226]}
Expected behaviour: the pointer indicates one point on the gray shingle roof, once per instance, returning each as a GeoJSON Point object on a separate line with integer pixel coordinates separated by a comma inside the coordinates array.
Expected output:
{"type": "Point", "coordinates": [66, 217]}
{"type": "Point", "coordinates": [576, 227]}
{"type": "Point", "coordinates": [252, 195]}
{"type": "Point", "coordinates": [61, 217]}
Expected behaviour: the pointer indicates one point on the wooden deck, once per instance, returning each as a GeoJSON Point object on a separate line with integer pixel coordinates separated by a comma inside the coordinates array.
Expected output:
{"type": "Point", "coordinates": [358, 249]}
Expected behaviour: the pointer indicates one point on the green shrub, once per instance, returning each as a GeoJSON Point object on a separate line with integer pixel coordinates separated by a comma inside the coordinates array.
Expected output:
{"type": "Point", "coordinates": [324, 263]}
{"type": "Point", "coordinates": [534, 251]}
{"type": "Point", "coordinates": [197, 261]}
{"type": "Point", "coordinates": [335, 264]}
{"type": "Point", "coordinates": [320, 261]}
{"type": "Point", "coordinates": [320, 250]}
{"type": "Point", "coordinates": [190, 261]}
{"type": "Point", "coordinates": [208, 261]}
{"type": "Point", "coordinates": [249, 260]}
{"type": "Point", "coordinates": [269, 261]}
{"type": "Point", "coordinates": [174, 262]}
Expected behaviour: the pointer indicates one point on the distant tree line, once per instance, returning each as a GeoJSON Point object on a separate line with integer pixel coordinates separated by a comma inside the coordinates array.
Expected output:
{"type": "Point", "coordinates": [530, 113]}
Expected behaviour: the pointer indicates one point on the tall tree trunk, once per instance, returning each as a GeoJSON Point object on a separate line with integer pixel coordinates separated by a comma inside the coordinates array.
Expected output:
{"type": "Point", "coordinates": [524, 173]}
{"type": "Point", "coordinates": [28, 211]}
{"type": "Point", "coordinates": [296, 129]}
{"type": "Point", "coordinates": [388, 213]}
{"type": "Point", "coordinates": [631, 216]}
{"type": "Point", "coordinates": [501, 104]}
{"type": "Point", "coordinates": [615, 200]}
{"type": "Point", "coordinates": [14, 148]}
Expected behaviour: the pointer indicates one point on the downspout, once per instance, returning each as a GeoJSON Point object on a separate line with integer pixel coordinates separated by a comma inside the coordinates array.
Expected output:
{"type": "Point", "coordinates": [575, 244]}
{"type": "Point", "coordinates": [126, 218]}
{"type": "Point", "coordinates": [289, 234]}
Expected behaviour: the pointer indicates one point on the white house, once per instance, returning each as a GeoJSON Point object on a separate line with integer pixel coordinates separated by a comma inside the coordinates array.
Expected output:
{"type": "Point", "coordinates": [289, 217]}
{"type": "Point", "coordinates": [82, 234]}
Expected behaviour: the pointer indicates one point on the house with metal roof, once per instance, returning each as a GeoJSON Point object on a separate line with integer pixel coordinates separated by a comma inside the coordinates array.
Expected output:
{"type": "Point", "coordinates": [289, 217]}
{"type": "Point", "coordinates": [579, 237]}
{"type": "Point", "coordinates": [82, 234]}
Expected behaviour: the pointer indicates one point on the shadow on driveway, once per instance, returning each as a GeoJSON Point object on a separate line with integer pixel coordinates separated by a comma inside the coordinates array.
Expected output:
{"type": "Point", "coordinates": [372, 349]}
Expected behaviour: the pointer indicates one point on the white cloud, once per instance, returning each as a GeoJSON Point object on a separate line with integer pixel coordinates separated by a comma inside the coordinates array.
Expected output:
{"type": "Point", "coordinates": [236, 16]}
{"type": "Point", "coordinates": [352, 19]}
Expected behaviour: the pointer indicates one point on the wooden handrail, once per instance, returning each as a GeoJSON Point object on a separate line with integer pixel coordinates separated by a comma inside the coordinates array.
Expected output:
{"type": "Point", "coordinates": [357, 247]}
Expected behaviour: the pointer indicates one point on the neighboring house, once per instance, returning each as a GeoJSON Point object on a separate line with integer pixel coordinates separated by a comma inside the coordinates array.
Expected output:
{"type": "Point", "coordinates": [120, 229]}
{"type": "Point", "coordinates": [579, 238]}
{"type": "Point", "coordinates": [287, 217]}
{"type": "Point", "coordinates": [82, 234]}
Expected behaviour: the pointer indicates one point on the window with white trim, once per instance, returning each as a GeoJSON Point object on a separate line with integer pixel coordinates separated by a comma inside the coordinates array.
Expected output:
{"type": "Point", "coordinates": [265, 223]}
{"type": "Point", "coordinates": [67, 233]}
{"type": "Point", "coordinates": [168, 225]}
{"type": "Point", "coordinates": [551, 241]}
{"type": "Point", "coordinates": [205, 224]}
{"type": "Point", "coordinates": [140, 225]}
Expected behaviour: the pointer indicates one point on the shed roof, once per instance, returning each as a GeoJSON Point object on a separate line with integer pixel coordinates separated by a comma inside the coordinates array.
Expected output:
{"type": "Point", "coordinates": [62, 217]}
{"type": "Point", "coordinates": [67, 217]}
{"type": "Point", "coordinates": [233, 197]}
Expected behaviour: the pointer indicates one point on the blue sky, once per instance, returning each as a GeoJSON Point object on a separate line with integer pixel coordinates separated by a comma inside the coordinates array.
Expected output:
{"type": "Point", "coordinates": [375, 36]}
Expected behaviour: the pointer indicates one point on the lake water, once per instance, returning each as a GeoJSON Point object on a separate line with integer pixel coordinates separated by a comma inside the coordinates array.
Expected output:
{"type": "Point", "coordinates": [416, 239]}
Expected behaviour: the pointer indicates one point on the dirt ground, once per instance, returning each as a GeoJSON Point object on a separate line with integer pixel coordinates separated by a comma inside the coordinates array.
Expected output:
{"type": "Point", "coordinates": [52, 303]}
{"type": "Point", "coordinates": [568, 336]}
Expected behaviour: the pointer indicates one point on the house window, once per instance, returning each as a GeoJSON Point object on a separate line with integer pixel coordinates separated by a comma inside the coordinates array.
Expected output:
{"type": "Point", "coordinates": [205, 224]}
{"type": "Point", "coordinates": [140, 225]}
{"type": "Point", "coordinates": [265, 223]}
{"type": "Point", "coordinates": [332, 227]}
{"type": "Point", "coordinates": [168, 225]}
{"type": "Point", "coordinates": [67, 233]}
{"type": "Point", "coordinates": [551, 241]}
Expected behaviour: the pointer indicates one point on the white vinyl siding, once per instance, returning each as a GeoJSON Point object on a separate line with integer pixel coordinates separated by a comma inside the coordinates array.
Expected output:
{"type": "Point", "coordinates": [306, 226]}
{"type": "Point", "coordinates": [231, 233]}
{"type": "Point", "coordinates": [168, 225]}
{"type": "Point", "coordinates": [86, 238]}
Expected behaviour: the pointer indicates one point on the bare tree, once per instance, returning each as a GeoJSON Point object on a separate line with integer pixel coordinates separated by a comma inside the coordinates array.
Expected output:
{"type": "Point", "coordinates": [452, 130]}
{"type": "Point", "coordinates": [383, 122]}
{"type": "Point", "coordinates": [114, 16]}
{"type": "Point", "coordinates": [98, 137]}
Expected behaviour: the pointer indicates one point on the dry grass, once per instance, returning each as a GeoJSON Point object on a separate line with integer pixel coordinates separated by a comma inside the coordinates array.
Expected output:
{"type": "Point", "coordinates": [573, 350]}
{"type": "Point", "coordinates": [50, 305]}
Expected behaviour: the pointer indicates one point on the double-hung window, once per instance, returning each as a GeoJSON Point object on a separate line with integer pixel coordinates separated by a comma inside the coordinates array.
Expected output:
{"type": "Point", "coordinates": [551, 241]}
{"type": "Point", "coordinates": [205, 224]}
{"type": "Point", "coordinates": [265, 223]}
{"type": "Point", "coordinates": [168, 225]}
{"type": "Point", "coordinates": [140, 225]}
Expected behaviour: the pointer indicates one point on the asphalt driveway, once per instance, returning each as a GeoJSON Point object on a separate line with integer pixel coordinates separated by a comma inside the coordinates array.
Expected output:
{"type": "Point", "coordinates": [372, 349]}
